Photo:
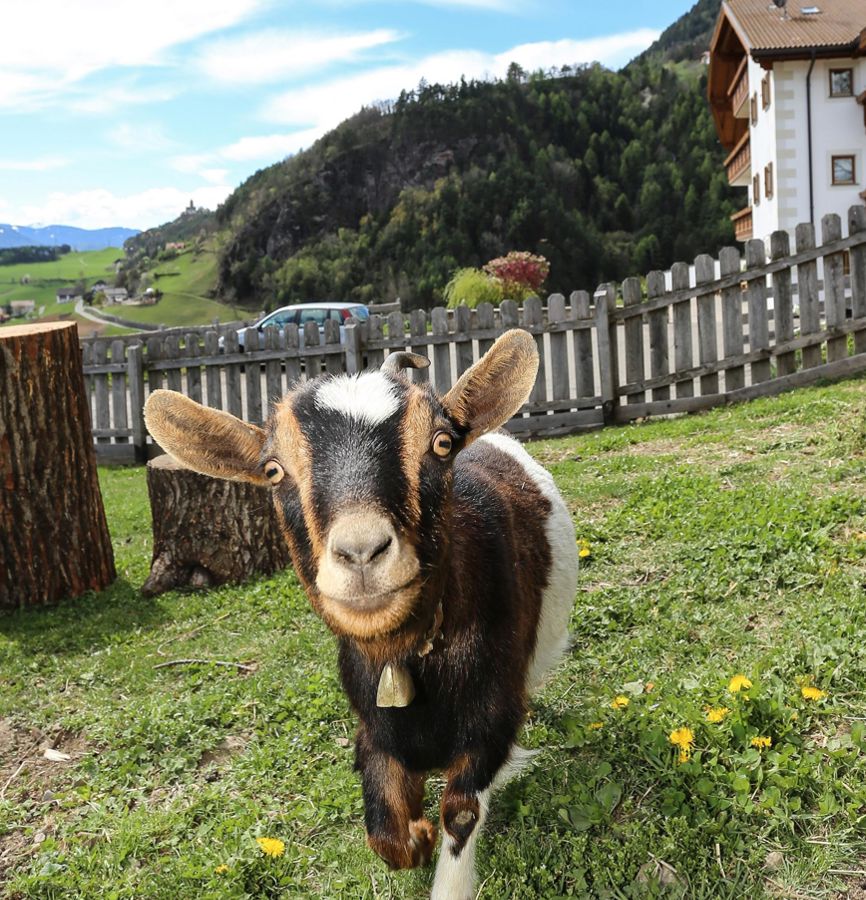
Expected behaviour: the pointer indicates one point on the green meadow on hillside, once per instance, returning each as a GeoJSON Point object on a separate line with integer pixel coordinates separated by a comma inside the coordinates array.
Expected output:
{"type": "Point", "coordinates": [704, 738]}
{"type": "Point", "coordinates": [185, 281]}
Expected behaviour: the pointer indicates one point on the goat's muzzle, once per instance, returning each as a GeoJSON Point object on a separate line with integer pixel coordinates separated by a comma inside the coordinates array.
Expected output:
{"type": "Point", "coordinates": [367, 569]}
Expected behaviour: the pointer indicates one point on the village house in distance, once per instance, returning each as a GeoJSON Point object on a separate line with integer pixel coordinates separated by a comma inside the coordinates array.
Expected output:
{"type": "Point", "coordinates": [787, 87]}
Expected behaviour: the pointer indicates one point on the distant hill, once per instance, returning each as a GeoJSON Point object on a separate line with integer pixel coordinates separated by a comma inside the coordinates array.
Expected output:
{"type": "Point", "coordinates": [688, 37]}
{"type": "Point", "coordinates": [52, 235]}
{"type": "Point", "coordinates": [193, 224]}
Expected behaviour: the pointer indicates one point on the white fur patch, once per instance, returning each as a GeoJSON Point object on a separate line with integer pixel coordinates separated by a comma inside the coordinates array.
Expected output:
{"type": "Point", "coordinates": [369, 397]}
{"type": "Point", "coordinates": [455, 875]}
{"type": "Point", "coordinates": [558, 599]}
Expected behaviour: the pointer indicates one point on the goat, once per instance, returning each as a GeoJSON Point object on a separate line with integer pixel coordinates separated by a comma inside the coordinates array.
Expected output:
{"type": "Point", "coordinates": [439, 553]}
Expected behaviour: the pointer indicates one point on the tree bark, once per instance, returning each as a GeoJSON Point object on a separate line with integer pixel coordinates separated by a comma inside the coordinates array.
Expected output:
{"type": "Point", "coordinates": [207, 531]}
{"type": "Point", "coordinates": [54, 540]}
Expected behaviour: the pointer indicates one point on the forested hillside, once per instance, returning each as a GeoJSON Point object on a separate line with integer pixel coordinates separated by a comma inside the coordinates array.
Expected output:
{"type": "Point", "coordinates": [605, 173]}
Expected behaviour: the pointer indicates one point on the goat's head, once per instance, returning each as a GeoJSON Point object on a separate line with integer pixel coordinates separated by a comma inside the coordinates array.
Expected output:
{"type": "Point", "coordinates": [361, 472]}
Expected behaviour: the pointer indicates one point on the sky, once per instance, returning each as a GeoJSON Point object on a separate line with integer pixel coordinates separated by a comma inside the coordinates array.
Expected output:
{"type": "Point", "coordinates": [119, 112]}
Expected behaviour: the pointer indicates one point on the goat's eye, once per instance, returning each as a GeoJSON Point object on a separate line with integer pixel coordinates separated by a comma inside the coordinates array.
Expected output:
{"type": "Point", "coordinates": [442, 444]}
{"type": "Point", "coordinates": [274, 472]}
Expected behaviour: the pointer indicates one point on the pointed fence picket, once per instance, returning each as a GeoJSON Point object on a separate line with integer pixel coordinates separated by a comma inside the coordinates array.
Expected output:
{"type": "Point", "coordinates": [640, 349]}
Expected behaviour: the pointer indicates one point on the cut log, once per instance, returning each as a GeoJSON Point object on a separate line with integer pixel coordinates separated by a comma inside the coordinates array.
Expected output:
{"type": "Point", "coordinates": [207, 531]}
{"type": "Point", "coordinates": [54, 540]}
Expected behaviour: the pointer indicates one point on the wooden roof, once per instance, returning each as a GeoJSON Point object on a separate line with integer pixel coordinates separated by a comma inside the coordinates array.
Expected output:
{"type": "Point", "coordinates": [837, 24]}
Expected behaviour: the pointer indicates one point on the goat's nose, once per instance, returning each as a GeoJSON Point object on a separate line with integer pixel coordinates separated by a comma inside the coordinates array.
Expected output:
{"type": "Point", "coordinates": [357, 545]}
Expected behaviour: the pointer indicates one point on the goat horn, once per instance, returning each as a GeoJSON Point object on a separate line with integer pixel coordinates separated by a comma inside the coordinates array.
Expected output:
{"type": "Point", "coordinates": [396, 362]}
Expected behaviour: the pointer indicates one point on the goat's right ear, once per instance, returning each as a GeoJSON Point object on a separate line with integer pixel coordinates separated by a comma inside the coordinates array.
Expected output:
{"type": "Point", "coordinates": [206, 440]}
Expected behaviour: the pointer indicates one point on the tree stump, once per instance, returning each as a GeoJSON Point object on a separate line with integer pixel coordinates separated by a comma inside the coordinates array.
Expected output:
{"type": "Point", "coordinates": [207, 531]}
{"type": "Point", "coordinates": [54, 540]}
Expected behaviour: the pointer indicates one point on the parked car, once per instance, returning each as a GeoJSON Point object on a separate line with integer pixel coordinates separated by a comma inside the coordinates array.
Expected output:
{"type": "Point", "coordinates": [301, 313]}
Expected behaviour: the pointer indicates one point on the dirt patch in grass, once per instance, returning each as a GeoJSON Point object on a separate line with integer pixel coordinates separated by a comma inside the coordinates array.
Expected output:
{"type": "Point", "coordinates": [25, 771]}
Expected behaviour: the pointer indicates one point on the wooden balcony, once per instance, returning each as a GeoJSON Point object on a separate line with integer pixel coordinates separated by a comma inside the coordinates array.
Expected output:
{"type": "Point", "coordinates": [739, 163]}
{"type": "Point", "coordinates": [743, 224]}
{"type": "Point", "coordinates": [738, 92]}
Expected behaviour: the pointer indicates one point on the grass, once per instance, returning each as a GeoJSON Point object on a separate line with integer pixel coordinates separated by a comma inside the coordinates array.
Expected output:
{"type": "Point", "coordinates": [186, 282]}
{"type": "Point", "coordinates": [731, 543]}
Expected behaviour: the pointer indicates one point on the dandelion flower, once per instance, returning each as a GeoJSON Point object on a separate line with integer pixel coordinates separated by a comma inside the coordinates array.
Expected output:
{"type": "Point", "coordinates": [762, 743]}
{"type": "Point", "coordinates": [716, 714]}
{"type": "Point", "coordinates": [810, 692]}
{"type": "Point", "coordinates": [221, 870]}
{"type": "Point", "coordinates": [684, 738]}
{"type": "Point", "coordinates": [584, 552]}
{"type": "Point", "coordinates": [619, 702]}
{"type": "Point", "coordinates": [271, 846]}
{"type": "Point", "coordinates": [739, 683]}
{"type": "Point", "coordinates": [594, 726]}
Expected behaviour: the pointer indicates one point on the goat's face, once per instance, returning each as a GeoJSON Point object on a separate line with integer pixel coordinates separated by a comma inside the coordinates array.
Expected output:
{"type": "Point", "coordinates": [361, 469]}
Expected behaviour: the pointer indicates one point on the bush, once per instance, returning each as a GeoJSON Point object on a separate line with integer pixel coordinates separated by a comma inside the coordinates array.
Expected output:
{"type": "Point", "coordinates": [472, 286]}
{"type": "Point", "coordinates": [520, 274]}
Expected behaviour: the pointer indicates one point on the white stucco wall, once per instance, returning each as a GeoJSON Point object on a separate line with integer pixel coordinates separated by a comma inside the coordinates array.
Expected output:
{"type": "Point", "coordinates": [765, 214]}
{"type": "Point", "coordinates": [837, 129]}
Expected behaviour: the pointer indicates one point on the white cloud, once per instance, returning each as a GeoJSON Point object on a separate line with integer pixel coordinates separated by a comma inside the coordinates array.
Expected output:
{"type": "Point", "coordinates": [141, 137]}
{"type": "Point", "coordinates": [39, 164]}
{"type": "Point", "coordinates": [269, 146]}
{"type": "Point", "coordinates": [321, 106]}
{"type": "Point", "coordinates": [272, 55]}
{"type": "Point", "coordinates": [99, 101]}
{"type": "Point", "coordinates": [52, 45]}
{"type": "Point", "coordinates": [101, 208]}
{"type": "Point", "coordinates": [214, 176]}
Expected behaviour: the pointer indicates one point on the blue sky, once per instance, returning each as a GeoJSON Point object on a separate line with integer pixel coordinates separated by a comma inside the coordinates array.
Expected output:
{"type": "Point", "coordinates": [118, 113]}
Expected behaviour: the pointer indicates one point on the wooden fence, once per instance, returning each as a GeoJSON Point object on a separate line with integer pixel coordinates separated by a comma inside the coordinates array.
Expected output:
{"type": "Point", "coordinates": [643, 348]}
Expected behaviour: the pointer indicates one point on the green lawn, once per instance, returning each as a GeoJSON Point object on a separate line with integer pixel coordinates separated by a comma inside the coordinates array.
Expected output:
{"type": "Point", "coordinates": [730, 543]}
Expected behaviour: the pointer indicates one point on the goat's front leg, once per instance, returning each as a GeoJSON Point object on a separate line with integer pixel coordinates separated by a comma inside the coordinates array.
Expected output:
{"type": "Point", "coordinates": [393, 807]}
{"type": "Point", "coordinates": [464, 809]}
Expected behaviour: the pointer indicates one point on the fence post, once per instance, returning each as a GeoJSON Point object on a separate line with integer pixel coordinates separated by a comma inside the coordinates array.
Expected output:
{"type": "Point", "coordinates": [135, 380]}
{"type": "Point", "coordinates": [857, 225]}
{"type": "Point", "coordinates": [608, 360]}
{"type": "Point", "coordinates": [354, 361]}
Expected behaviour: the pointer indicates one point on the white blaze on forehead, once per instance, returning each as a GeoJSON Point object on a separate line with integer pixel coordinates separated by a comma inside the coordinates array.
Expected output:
{"type": "Point", "coordinates": [369, 397]}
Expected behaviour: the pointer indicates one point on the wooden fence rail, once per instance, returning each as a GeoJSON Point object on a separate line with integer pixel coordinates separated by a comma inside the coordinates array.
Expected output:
{"type": "Point", "coordinates": [643, 348]}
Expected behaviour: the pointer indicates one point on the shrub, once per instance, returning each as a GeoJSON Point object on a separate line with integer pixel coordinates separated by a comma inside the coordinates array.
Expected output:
{"type": "Point", "coordinates": [520, 274]}
{"type": "Point", "coordinates": [472, 286]}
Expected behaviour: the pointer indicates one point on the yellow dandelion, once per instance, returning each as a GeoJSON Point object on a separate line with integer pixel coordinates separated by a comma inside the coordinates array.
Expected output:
{"type": "Point", "coordinates": [716, 714]}
{"type": "Point", "coordinates": [810, 692]}
{"type": "Point", "coordinates": [619, 702]}
{"type": "Point", "coordinates": [684, 756]}
{"type": "Point", "coordinates": [594, 726]}
{"type": "Point", "coordinates": [762, 743]}
{"type": "Point", "coordinates": [684, 738]}
{"type": "Point", "coordinates": [221, 870]}
{"type": "Point", "coordinates": [584, 552]}
{"type": "Point", "coordinates": [739, 683]}
{"type": "Point", "coordinates": [271, 846]}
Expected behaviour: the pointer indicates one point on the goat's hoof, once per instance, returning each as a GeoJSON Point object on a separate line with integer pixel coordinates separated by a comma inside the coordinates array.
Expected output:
{"type": "Point", "coordinates": [422, 836]}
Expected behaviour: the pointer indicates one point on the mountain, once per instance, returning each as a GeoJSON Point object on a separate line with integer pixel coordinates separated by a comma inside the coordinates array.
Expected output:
{"type": "Point", "coordinates": [688, 37]}
{"type": "Point", "coordinates": [605, 173]}
{"type": "Point", "coordinates": [55, 235]}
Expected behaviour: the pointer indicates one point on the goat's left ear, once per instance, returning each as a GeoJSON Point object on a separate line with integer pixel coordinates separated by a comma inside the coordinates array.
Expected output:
{"type": "Point", "coordinates": [490, 393]}
{"type": "Point", "coordinates": [206, 440]}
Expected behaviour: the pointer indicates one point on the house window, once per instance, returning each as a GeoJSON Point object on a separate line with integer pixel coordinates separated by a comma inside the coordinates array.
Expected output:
{"type": "Point", "coordinates": [753, 106]}
{"type": "Point", "coordinates": [841, 82]}
{"type": "Point", "coordinates": [843, 170]}
{"type": "Point", "coordinates": [768, 180]}
{"type": "Point", "coordinates": [756, 190]}
{"type": "Point", "coordinates": [765, 91]}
